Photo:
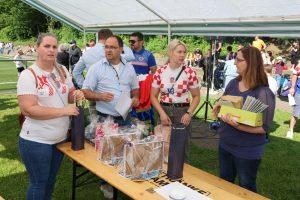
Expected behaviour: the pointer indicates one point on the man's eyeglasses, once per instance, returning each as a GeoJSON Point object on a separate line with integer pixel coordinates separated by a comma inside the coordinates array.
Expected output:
{"type": "Point", "coordinates": [132, 41]}
{"type": "Point", "coordinates": [57, 83]}
{"type": "Point", "coordinates": [110, 47]}
{"type": "Point", "coordinates": [239, 60]}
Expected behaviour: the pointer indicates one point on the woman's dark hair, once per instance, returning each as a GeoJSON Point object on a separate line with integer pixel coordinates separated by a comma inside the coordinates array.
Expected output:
{"type": "Point", "coordinates": [41, 37]}
{"type": "Point", "coordinates": [255, 75]}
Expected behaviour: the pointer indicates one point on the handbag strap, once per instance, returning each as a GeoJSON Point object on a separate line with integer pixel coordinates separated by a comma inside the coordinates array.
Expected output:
{"type": "Point", "coordinates": [177, 77]}
{"type": "Point", "coordinates": [34, 74]}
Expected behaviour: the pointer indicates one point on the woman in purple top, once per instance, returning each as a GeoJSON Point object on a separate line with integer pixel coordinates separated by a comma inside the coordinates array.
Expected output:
{"type": "Point", "coordinates": [241, 146]}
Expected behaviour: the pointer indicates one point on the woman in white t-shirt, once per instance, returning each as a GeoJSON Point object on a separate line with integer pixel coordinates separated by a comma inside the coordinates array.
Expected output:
{"type": "Point", "coordinates": [44, 93]}
{"type": "Point", "coordinates": [174, 82]}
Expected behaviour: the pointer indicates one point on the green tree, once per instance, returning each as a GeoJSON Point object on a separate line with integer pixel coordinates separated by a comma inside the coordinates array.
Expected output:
{"type": "Point", "coordinates": [20, 21]}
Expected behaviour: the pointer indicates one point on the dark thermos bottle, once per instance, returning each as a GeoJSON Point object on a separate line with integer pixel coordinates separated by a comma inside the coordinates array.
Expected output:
{"type": "Point", "coordinates": [177, 151]}
{"type": "Point", "coordinates": [77, 130]}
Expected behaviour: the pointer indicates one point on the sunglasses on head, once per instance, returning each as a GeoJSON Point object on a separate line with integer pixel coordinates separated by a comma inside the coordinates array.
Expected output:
{"type": "Point", "coordinates": [57, 83]}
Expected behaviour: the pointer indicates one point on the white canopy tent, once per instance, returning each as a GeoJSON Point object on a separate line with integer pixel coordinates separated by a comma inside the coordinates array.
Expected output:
{"type": "Point", "coordinates": [275, 18]}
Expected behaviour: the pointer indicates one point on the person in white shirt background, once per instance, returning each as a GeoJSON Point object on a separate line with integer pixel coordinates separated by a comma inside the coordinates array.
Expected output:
{"type": "Point", "coordinates": [272, 82]}
{"type": "Point", "coordinates": [1, 47]}
{"type": "Point", "coordinates": [18, 61]}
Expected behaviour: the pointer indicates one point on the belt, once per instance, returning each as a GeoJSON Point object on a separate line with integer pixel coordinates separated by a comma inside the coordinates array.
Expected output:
{"type": "Point", "coordinates": [181, 105]}
{"type": "Point", "coordinates": [106, 115]}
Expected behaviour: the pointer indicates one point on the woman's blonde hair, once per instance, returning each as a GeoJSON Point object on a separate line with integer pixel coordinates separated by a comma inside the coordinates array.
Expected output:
{"type": "Point", "coordinates": [173, 45]}
{"type": "Point", "coordinates": [63, 47]}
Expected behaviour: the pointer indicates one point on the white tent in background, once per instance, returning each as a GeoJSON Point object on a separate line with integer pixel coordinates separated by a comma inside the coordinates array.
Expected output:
{"type": "Point", "coordinates": [276, 18]}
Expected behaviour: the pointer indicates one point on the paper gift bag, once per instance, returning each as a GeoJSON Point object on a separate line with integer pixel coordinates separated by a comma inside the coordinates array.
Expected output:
{"type": "Point", "coordinates": [177, 151]}
{"type": "Point", "coordinates": [77, 130]}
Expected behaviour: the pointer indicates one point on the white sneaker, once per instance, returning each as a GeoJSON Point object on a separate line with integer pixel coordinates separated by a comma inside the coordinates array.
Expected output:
{"type": "Point", "coordinates": [290, 135]}
{"type": "Point", "coordinates": [107, 190]}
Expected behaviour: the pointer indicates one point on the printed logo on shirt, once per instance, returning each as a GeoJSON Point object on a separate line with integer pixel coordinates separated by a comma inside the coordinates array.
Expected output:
{"type": "Point", "coordinates": [141, 58]}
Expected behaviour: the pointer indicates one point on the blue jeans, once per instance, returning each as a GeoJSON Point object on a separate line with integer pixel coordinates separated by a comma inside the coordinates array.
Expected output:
{"type": "Point", "coordinates": [42, 162]}
{"type": "Point", "coordinates": [245, 169]}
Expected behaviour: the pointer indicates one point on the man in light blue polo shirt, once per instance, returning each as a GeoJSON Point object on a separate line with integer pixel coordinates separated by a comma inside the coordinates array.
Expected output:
{"type": "Point", "coordinates": [94, 54]}
{"type": "Point", "coordinates": [107, 79]}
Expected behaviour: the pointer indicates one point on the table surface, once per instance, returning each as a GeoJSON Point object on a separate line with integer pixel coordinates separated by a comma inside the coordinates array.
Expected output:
{"type": "Point", "coordinates": [201, 181]}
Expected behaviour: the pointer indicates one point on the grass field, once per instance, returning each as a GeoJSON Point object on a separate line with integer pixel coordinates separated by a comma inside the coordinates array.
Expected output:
{"type": "Point", "coordinates": [278, 177]}
{"type": "Point", "coordinates": [8, 73]}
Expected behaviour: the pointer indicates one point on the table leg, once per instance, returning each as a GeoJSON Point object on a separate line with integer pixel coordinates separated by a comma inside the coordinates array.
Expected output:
{"type": "Point", "coordinates": [74, 180]}
{"type": "Point", "coordinates": [115, 193]}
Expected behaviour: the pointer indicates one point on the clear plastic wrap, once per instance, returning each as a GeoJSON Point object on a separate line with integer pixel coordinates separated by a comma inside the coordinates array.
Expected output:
{"type": "Point", "coordinates": [107, 127]}
{"type": "Point", "coordinates": [143, 159]}
{"type": "Point", "coordinates": [91, 128]}
{"type": "Point", "coordinates": [164, 133]}
{"type": "Point", "coordinates": [111, 146]}
{"type": "Point", "coordinates": [143, 128]}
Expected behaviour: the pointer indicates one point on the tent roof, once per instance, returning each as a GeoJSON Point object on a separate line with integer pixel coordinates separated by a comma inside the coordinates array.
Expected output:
{"type": "Point", "coordinates": [189, 17]}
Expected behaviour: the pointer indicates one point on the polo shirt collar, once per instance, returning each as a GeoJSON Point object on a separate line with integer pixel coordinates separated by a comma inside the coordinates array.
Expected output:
{"type": "Point", "coordinates": [121, 59]}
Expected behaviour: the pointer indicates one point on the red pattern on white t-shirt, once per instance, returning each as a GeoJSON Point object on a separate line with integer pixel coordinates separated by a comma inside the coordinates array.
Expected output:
{"type": "Point", "coordinates": [43, 83]}
{"type": "Point", "coordinates": [181, 86]}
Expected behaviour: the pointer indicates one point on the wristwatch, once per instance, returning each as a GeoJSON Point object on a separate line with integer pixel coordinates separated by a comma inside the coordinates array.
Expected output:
{"type": "Point", "coordinates": [189, 113]}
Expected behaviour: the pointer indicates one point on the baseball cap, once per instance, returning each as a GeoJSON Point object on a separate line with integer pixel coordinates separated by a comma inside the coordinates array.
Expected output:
{"type": "Point", "coordinates": [72, 42]}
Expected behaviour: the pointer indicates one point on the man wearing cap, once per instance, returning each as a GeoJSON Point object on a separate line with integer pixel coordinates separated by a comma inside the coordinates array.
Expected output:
{"type": "Point", "coordinates": [74, 53]}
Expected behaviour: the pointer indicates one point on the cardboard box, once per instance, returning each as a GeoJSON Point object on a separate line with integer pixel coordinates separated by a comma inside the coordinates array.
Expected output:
{"type": "Point", "coordinates": [242, 116]}
{"type": "Point", "coordinates": [233, 101]}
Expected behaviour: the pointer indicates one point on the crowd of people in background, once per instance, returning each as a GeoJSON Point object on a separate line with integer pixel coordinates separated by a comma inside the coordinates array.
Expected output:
{"type": "Point", "coordinates": [6, 48]}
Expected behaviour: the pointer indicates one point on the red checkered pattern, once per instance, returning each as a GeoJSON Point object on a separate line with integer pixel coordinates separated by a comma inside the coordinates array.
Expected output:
{"type": "Point", "coordinates": [162, 79]}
